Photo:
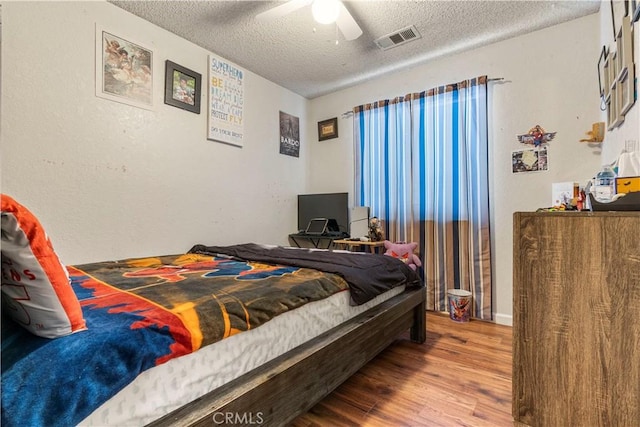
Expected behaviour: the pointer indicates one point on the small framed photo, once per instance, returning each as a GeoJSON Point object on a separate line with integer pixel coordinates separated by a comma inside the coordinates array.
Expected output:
{"type": "Point", "coordinates": [182, 87]}
{"type": "Point", "coordinates": [328, 129]}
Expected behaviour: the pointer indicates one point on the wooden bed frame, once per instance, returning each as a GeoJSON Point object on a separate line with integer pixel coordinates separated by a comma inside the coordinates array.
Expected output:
{"type": "Point", "coordinates": [279, 391]}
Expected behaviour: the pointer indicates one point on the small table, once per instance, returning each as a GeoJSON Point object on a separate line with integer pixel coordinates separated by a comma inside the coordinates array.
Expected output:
{"type": "Point", "coordinates": [351, 244]}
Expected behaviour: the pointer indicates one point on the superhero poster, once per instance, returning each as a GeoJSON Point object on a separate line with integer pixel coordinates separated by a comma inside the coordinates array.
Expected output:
{"type": "Point", "coordinates": [226, 102]}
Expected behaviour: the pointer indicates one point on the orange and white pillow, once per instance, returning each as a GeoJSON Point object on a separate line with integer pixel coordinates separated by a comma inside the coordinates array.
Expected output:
{"type": "Point", "coordinates": [36, 291]}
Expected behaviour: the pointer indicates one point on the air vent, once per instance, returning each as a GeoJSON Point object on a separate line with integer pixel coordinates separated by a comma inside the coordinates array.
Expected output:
{"type": "Point", "coordinates": [397, 38]}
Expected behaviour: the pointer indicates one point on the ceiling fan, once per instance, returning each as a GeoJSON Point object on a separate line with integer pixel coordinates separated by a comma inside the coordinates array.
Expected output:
{"type": "Point", "coordinates": [324, 12]}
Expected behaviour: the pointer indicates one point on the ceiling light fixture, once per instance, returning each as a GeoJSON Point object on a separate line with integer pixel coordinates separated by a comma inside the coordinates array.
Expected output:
{"type": "Point", "coordinates": [325, 11]}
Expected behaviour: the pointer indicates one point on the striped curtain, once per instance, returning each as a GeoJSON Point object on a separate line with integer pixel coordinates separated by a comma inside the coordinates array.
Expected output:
{"type": "Point", "coordinates": [383, 162]}
{"type": "Point", "coordinates": [444, 187]}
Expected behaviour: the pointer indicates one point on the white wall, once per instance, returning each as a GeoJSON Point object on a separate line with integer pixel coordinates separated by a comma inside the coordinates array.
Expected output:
{"type": "Point", "coordinates": [550, 79]}
{"type": "Point", "coordinates": [108, 180]}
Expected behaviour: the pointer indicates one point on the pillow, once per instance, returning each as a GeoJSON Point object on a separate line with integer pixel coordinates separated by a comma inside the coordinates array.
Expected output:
{"type": "Point", "coordinates": [404, 252]}
{"type": "Point", "coordinates": [36, 291]}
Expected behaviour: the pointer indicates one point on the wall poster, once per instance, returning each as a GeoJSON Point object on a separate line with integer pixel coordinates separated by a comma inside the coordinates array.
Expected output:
{"type": "Point", "coordinates": [226, 102]}
{"type": "Point", "coordinates": [289, 135]}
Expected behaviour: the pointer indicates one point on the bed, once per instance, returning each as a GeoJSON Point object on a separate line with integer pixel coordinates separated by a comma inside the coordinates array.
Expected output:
{"type": "Point", "coordinates": [142, 325]}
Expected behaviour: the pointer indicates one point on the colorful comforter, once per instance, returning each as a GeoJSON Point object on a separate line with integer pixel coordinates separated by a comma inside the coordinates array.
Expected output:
{"type": "Point", "coordinates": [141, 313]}
{"type": "Point", "coordinates": [368, 276]}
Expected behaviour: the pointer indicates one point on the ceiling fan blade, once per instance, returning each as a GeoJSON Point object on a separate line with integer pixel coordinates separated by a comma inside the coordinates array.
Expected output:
{"type": "Point", "coordinates": [281, 10]}
{"type": "Point", "coordinates": [347, 25]}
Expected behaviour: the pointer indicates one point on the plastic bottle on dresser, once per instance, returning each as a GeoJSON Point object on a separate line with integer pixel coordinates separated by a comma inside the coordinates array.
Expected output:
{"type": "Point", "coordinates": [605, 185]}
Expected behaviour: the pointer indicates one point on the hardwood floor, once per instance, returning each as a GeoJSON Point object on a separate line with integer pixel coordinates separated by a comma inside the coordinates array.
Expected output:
{"type": "Point", "coordinates": [461, 376]}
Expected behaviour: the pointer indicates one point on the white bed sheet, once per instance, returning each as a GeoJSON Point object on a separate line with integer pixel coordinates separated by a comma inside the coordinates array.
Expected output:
{"type": "Point", "coordinates": [166, 387]}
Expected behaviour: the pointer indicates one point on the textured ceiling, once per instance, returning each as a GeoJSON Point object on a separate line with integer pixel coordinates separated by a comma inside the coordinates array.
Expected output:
{"type": "Point", "coordinates": [295, 52]}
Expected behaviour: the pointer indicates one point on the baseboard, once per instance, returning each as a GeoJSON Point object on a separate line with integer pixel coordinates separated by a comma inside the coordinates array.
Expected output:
{"type": "Point", "coordinates": [504, 319]}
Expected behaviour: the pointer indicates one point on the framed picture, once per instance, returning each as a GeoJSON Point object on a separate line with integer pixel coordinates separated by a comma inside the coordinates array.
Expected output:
{"type": "Point", "coordinates": [625, 48]}
{"type": "Point", "coordinates": [610, 112]}
{"type": "Point", "coordinates": [627, 95]}
{"type": "Point", "coordinates": [619, 9]}
{"type": "Point", "coordinates": [182, 87]}
{"type": "Point", "coordinates": [620, 63]}
{"type": "Point", "coordinates": [603, 81]}
{"type": "Point", "coordinates": [328, 129]}
{"type": "Point", "coordinates": [124, 70]}
{"type": "Point", "coordinates": [614, 117]}
{"type": "Point", "coordinates": [612, 67]}
{"type": "Point", "coordinates": [606, 76]}
{"type": "Point", "coordinates": [621, 94]}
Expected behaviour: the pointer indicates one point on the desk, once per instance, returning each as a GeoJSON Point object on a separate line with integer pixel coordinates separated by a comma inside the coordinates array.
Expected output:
{"type": "Point", "coordinates": [351, 244]}
{"type": "Point", "coordinates": [320, 242]}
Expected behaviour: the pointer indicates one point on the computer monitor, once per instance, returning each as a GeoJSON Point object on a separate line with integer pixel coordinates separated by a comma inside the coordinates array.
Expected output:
{"type": "Point", "coordinates": [332, 206]}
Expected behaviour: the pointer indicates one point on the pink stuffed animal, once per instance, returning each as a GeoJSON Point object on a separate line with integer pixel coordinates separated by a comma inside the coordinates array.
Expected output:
{"type": "Point", "coordinates": [404, 252]}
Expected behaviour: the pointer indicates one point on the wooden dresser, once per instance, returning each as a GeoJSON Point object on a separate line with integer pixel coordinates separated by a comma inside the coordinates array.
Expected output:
{"type": "Point", "coordinates": [576, 319]}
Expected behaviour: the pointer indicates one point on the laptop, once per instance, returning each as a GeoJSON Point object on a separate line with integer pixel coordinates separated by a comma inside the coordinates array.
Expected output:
{"type": "Point", "coordinates": [317, 226]}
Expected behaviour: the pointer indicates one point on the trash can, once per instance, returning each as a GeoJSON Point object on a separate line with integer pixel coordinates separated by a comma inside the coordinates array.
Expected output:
{"type": "Point", "coordinates": [459, 305]}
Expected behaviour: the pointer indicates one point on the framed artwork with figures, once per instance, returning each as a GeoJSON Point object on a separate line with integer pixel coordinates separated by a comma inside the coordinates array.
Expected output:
{"type": "Point", "coordinates": [124, 70]}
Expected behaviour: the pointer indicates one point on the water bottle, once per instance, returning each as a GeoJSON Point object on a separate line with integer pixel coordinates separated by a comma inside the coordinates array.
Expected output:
{"type": "Point", "coordinates": [605, 185]}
